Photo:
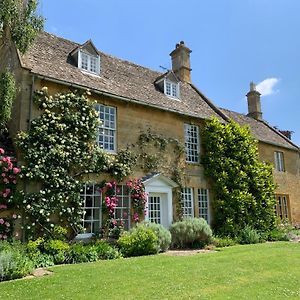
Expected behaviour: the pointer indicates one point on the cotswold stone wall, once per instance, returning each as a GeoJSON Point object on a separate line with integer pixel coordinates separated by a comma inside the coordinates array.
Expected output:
{"type": "Point", "coordinates": [132, 119]}
{"type": "Point", "coordinates": [288, 182]}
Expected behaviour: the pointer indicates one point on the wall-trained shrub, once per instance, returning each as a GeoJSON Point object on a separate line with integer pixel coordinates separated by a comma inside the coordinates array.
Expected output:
{"type": "Point", "coordinates": [140, 240]}
{"type": "Point", "coordinates": [163, 235]}
{"type": "Point", "coordinates": [190, 233]}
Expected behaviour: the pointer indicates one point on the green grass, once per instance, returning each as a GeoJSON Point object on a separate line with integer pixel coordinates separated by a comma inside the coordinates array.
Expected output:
{"type": "Point", "coordinates": [263, 271]}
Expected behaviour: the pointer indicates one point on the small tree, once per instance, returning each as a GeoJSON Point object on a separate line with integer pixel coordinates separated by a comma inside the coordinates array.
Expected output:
{"type": "Point", "coordinates": [19, 21]}
{"type": "Point", "coordinates": [243, 185]}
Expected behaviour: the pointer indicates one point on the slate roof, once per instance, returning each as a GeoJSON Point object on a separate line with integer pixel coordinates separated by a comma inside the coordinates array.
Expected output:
{"type": "Point", "coordinates": [49, 57]}
{"type": "Point", "coordinates": [261, 130]}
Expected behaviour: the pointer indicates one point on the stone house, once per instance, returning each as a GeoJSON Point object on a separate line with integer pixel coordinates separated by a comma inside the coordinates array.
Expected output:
{"type": "Point", "coordinates": [133, 100]}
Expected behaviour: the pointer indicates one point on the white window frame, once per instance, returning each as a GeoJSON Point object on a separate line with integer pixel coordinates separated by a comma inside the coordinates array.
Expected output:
{"type": "Point", "coordinates": [192, 143]}
{"type": "Point", "coordinates": [173, 90]}
{"type": "Point", "coordinates": [154, 209]}
{"type": "Point", "coordinates": [279, 161]}
{"type": "Point", "coordinates": [203, 197]}
{"type": "Point", "coordinates": [89, 64]}
{"type": "Point", "coordinates": [187, 198]}
{"type": "Point", "coordinates": [106, 130]}
{"type": "Point", "coordinates": [94, 219]}
{"type": "Point", "coordinates": [123, 195]}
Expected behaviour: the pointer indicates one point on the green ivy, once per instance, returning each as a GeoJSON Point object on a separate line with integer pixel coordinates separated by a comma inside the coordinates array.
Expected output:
{"type": "Point", "coordinates": [19, 18]}
{"type": "Point", "coordinates": [7, 96]}
{"type": "Point", "coordinates": [243, 185]}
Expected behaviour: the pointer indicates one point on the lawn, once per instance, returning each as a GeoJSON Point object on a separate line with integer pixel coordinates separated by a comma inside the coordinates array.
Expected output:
{"type": "Point", "coordinates": [264, 271]}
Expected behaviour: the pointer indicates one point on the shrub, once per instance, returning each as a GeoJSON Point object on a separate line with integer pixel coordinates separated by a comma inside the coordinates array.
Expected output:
{"type": "Point", "coordinates": [58, 249]}
{"type": "Point", "coordinates": [105, 250]}
{"type": "Point", "coordinates": [190, 233]}
{"type": "Point", "coordinates": [140, 240]}
{"type": "Point", "coordinates": [221, 242]}
{"type": "Point", "coordinates": [277, 235]}
{"type": "Point", "coordinates": [248, 235]}
{"type": "Point", "coordinates": [14, 262]}
{"type": "Point", "coordinates": [79, 253]}
{"type": "Point", "coordinates": [163, 235]}
{"type": "Point", "coordinates": [60, 233]}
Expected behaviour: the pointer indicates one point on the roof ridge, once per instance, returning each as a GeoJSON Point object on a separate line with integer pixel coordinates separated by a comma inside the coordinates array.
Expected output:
{"type": "Point", "coordinates": [266, 124]}
{"type": "Point", "coordinates": [210, 103]}
{"type": "Point", "coordinates": [279, 133]}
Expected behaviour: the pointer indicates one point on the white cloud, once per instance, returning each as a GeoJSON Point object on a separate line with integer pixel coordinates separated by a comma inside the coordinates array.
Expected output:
{"type": "Point", "coordinates": [267, 86]}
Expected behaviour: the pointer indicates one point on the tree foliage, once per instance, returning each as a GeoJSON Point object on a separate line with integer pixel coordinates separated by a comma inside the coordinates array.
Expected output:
{"type": "Point", "coordinates": [18, 18]}
{"type": "Point", "coordinates": [243, 185]}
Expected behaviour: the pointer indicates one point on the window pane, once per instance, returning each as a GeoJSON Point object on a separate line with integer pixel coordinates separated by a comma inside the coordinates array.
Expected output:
{"type": "Point", "coordinates": [91, 198]}
{"type": "Point", "coordinates": [191, 142]}
{"type": "Point", "coordinates": [203, 203]}
{"type": "Point", "coordinates": [84, 61]}
{"type": "Point", "coordinates": [107, 131]}
{"type": "Point", "coordinates": [154, 209]}
{"type": "Point", "coordinates": [93, 64]}
{"type": "Point", "coordinates": [187, 202]}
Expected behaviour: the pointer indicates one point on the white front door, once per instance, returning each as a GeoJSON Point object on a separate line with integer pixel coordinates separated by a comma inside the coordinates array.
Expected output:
{"type": "Point", "coordinates": [158, 208]}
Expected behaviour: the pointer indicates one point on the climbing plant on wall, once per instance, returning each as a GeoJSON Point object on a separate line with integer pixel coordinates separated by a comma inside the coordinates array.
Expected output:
{"type": "Point", "coordinates": [243, 185]}
{"type": "Point", "coordinates": [59, 151]}
{"type": "Point", "coordinates": [7, 96]}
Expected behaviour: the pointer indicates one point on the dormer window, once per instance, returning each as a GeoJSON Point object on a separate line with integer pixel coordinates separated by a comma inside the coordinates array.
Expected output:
{"type": "Point", "coordinates": [168, 84]}
{"type": "Point", "coordinates": [89, 63]}
{"type": "Point", "coordinates": [171, 89]}
{"type": "Point", "coordinates": [87, 58]}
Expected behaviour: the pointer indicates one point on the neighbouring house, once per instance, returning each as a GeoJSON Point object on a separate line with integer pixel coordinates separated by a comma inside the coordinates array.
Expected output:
{"type": "Point", "coordinates": [134, 100]}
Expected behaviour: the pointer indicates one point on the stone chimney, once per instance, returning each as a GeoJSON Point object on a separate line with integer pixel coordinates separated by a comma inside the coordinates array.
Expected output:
{"type": "Point", "coordinates": [254, 106]}
{"type": "Point", "coordinates": [181, 62]}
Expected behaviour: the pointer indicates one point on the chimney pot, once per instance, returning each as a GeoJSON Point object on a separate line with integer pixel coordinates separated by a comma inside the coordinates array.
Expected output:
{"type": "Point", "coordinates": [254, 106]}
{"type": "Point", "coordinates": [181, 62]}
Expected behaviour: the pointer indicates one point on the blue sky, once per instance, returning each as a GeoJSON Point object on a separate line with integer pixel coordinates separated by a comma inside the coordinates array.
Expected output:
{"type": "Point", "coordinates": [233, 42]}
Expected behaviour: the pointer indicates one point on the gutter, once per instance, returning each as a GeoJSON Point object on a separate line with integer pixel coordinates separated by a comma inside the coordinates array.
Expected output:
{"type": "Point", "coordinates": [110, 95]}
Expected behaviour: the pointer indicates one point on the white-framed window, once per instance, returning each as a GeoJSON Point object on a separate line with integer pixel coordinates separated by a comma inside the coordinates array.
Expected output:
{"type": "Point", "coordinates": [187, 202]}
{"type": "Point", "coordinates": [92, 208]}
{"type": "Point", "coordinates": [279, 161]}
{"type": "Point", "coordinates": [107, 131]}
{"type": "Point", "coordinates": [171, 89]}
{"type": "Point", "coordinates": [191, 136]}
{"type": "Point", "coordinates": [89, 62]}
{"type": "Point", "coordinates": [282, 207]}
{"type": "Point", "coordinates": [122, 211]}
{"type": "Point", "coordinates": [154, 209]}
{"type": "Point", "coordinates": [203, 204]}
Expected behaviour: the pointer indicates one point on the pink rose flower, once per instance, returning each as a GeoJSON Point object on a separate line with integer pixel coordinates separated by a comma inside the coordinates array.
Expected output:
{"type": "Point", "coordinates": [16, 170]}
